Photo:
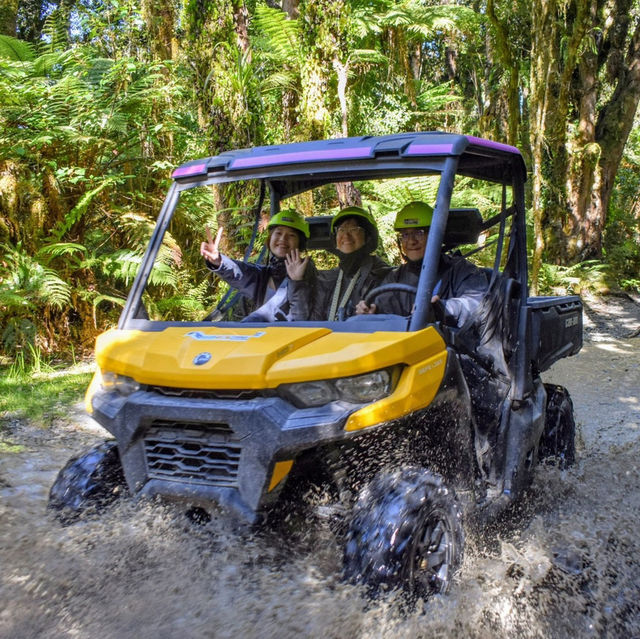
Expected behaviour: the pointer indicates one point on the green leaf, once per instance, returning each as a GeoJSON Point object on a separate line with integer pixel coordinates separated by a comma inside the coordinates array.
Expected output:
{"type": "Point", "coordinates": [14, 49]}
{"type": "Point", "coordinates": [120, 301]}
{"type": "Point", "coordinates": [80, 208]}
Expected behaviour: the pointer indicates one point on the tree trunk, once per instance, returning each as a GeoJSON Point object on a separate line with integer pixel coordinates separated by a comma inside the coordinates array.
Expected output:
{"type": "Point", "coordinates": [614, 125]}
{"type": "Point", "coordinates": [505, 55]}
{"type": "Point", "coordinates": [543, 32]}
{"type": "Point", "coordinates": [159, 18]}
{"type": "Point", "coordinates": [321, 37]}
{"type": "Point", "coordinates": [290, 7]}
{"type": "Point", "coordinates": [558, 37]}
{"type": "Point", "coordinates": [584, 176]}
{"type": "Point", "coordinates": [342, 71]}
{"type": "Point", "coordinates": [241, 22]}
{"type": "Point", "coordinates": [8, 17]}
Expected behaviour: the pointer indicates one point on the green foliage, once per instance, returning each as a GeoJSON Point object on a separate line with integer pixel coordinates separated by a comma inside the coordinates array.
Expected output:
{"type": "Point", "coordinates": [16, 50]}
{"type": "Point", "coordinates": [41, 396]}
{"type": "Point", "coordinates": [91, 126]}
{"type": "Point", "coordinates": [622, 237]}
{"type": "Point", "coordinates": [25, 283]}
{"type": "Point", "coordinates": [591, 275]}
{"type": "Point", "coordinates": [85, 144]}
{"type": "Point", "coordinates": [27, 288]}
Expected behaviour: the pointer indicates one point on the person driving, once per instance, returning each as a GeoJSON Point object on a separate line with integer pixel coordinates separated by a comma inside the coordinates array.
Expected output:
{"type": "Point", "coordinates": [267, 286]}
{"type": "Point", "coordinates": [460, 287]}
{"type": "Point", "coordinates": [355, 236]}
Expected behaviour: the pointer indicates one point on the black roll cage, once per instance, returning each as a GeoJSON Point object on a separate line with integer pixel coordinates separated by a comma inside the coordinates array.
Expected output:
{"type": "Point", "coordinates": [285, 181]}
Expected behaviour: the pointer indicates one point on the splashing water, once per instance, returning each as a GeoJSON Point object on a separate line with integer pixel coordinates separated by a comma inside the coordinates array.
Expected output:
{"type": "Point", "coordinates": [565, 562]}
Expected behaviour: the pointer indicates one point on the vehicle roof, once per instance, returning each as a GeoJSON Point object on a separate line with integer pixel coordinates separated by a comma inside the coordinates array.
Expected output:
{"type": "Point", "coordinates": [302, 165]}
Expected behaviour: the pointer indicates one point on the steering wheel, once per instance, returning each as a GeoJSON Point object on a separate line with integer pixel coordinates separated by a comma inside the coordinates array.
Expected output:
{"type": "Point", "coordinates": [437, 308]}
{"type": "Point", "coordinates": [388, 288]}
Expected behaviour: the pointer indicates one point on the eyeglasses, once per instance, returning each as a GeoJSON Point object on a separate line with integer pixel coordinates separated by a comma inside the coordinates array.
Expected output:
{"type": "Point", "coordinates": [412, 234]}
{"type": "Point", "coordinates": [349, 230]}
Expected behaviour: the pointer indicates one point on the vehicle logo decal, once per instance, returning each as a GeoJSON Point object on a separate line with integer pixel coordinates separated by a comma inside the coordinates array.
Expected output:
{"type": "Point", "coordinates": [201, 358]}
{"type": "Point", "coordinates": [222, 338]}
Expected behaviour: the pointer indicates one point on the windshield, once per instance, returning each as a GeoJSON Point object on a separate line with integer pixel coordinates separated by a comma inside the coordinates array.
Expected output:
{"type": "Point", "coordinates": [182, 286]}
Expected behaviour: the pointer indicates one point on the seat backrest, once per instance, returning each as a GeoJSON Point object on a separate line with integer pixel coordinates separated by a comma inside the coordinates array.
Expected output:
{"type": "Point", "coordinates": [463, 227]}
{"type": "Point", "coordinates": [320, 233]}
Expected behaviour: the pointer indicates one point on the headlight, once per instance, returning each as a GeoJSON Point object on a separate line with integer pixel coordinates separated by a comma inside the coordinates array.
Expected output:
{"type": "Point", "coordinates": [364, 388]}
{"type": "Point", "coordinates": [360, 389]}
{"type": "Point", "coordinates": [121, 383]}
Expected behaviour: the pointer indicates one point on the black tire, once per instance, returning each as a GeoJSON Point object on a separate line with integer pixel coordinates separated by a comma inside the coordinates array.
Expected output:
{"type": "Point", "coordinates": [558, 439]}
{"type": "Point", "coordinates": [92, 480]}
{"type": "Point", "coordinates": [406, 532]}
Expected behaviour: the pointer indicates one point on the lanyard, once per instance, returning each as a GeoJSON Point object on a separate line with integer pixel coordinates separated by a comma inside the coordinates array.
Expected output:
{"type": "Point", "coordinates": [345, 297]}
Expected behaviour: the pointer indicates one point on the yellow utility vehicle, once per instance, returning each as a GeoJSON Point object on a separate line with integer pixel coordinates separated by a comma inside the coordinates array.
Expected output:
{"type": "Point", "coordinates": [414, 426]}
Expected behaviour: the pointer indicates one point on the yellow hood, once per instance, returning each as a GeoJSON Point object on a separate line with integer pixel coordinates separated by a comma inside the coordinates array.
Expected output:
{"type": "Point", "coordinates": [249, 358]}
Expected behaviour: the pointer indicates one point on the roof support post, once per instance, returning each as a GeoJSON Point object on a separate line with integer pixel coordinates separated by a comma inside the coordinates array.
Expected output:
{"type": "Point", "coordinates": [431, 261]}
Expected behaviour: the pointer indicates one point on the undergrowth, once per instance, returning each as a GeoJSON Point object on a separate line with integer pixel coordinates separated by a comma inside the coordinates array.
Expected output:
{"type": "Point", "coordinates": [591, 276]}
{"type": "Point", "coordinates": [39, 391]}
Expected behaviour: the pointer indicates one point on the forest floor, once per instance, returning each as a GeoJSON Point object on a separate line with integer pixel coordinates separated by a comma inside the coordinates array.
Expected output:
{"type": "Point", "coordinates": [566, 563]}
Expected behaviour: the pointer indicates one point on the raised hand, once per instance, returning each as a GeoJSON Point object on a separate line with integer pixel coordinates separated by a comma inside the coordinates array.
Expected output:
{"type": "Point", "coordinates": [209, 249]}
{"type": "Point", "coordinates": [363, 309]}
{"type": "Point", "coordinates": [295, 265]}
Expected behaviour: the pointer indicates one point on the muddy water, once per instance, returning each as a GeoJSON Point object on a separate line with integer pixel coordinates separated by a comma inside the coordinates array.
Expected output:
{"type": "Point", "coordinates": [566, 563]}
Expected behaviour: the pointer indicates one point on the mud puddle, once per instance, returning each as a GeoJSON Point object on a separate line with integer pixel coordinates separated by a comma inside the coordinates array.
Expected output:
{"type": "Point", "coordinates": [566, 563]}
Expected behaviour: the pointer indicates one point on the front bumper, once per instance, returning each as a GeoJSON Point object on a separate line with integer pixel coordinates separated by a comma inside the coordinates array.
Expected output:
{"type": "Point", "coordinates": [212, 450]}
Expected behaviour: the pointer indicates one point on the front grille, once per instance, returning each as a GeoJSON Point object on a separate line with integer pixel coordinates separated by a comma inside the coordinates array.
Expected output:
{"type": "Point", "coordinates": [194, 452]}
{"type": "Point", "coordinates": [197, 393]}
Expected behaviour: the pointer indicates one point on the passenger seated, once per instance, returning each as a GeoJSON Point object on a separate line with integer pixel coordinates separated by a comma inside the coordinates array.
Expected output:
{"type": "Point", "coordinates": [460, 287]}
{"type": "Point", "coordinates": [267, 286]}
{"type": "Point", "coordinates": [355, 236]}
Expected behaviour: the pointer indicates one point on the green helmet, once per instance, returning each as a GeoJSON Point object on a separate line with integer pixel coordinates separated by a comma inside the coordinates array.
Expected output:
{"type": "Point", "coordinates": [353, 211]}
{"type": "Point", "coordinates": [292, 219]}
{"type": "Point", "coordinates": [415, 215]}
{"type": "Point", "coordinates": [365, 219]}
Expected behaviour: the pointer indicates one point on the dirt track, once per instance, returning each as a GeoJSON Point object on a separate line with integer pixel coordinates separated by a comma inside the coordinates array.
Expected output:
{"type": "Point", "coordinates": [566, 564]}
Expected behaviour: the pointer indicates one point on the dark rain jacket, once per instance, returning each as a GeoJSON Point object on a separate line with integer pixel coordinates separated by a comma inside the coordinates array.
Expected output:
{"type": "Point", "coordinates": [461, 286]}
{"type": "Point", "coordinates": [317, 300]}
{"type": "Point", "coordinates": [252, 281]}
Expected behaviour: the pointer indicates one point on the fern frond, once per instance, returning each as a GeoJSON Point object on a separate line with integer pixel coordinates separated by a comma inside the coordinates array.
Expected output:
{"type": "Point", "coordinates": [55, 30]}
{"type": "Point", "coordinates": [282, 33]}
{"type": "Point", "coordinates": [397, 193]}
{"type": "Point", "coordinates": [120, 301]}
{"type": "Point", "coordinates": [80, 208]}
{"type": "Point", "coordinates": [44, 64]}
{"type": "Point", "coordinates": [17, 50]}
{"type": "Point", "coordinates": [98, 70]}
{"type": "Point", "coordinates": [370, 56]}
{"type": "Point", "coordinates": [35, 284]}
{"type": "Point", "coordinates": [62, 249]}
{"type": "Point", "coordinates": [163, 275]}
{"type": "Point", "coordinates": [121, 265]}
{"type": "Point", "coordinates": [281, 80]}
{"type": "Point", "coordinates": [14, 299]}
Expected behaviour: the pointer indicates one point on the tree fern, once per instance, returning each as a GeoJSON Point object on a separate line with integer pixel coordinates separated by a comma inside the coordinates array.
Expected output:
{"type": "Point", "coordinates": [68, 250]}
{"type": "Point", "coordinates": [55, 31]}
{"type": "Point", "coordinates": [394, 194]}
{"type": "Point", "coordinates": [281, 35]}
{"type": "Point", "coordinates": [17, 50]}
{"type": "Point", "coordinates": [80, 208]}
{"type": "Point", "coordinates": [28, 281]}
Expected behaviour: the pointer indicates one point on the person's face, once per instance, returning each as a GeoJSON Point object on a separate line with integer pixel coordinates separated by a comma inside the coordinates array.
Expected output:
{"type": "Point", "coordinates": [283, 240]}
{"type": "Point", "coordinates": [350, 236]}
{"type": "Point", "coordinates": [413, 242]}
